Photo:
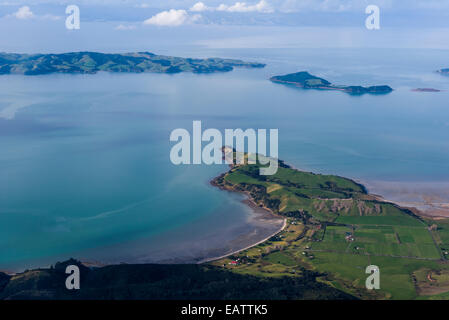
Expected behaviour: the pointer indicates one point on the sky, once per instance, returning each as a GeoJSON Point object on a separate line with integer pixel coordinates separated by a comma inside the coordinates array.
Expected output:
{"type": "Point", "coordinates": [124, 25]}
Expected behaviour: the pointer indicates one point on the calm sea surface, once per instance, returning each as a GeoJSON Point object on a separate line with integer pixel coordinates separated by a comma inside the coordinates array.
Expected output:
{"type": "Point", "coordinates": [84, 159]}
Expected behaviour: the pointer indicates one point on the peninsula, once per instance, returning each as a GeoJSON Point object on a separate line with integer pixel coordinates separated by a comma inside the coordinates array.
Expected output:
{"type": "Point", "coordinates": [93, 62]}
{"type": "Point", "coordinates": [305, 80]}
{"type": "Point", "coordinates": [335, 227]}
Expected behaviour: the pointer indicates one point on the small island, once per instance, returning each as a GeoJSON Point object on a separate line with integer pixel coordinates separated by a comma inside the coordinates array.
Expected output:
{"type": "Point", "coordinates": [444, 71]}
{"type": "Point", "coordinates": [426, 90]}
{"type": "Point", "coordinates": [93, 62]}
{"type": "Point", "coordinates": [305, 80]}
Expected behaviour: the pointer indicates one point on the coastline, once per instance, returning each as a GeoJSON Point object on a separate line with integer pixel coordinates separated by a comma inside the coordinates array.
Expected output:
{"type": "Point", "coordinates": [261, 225]}
{"type": "Point", "coordinates": [254, 207]}
{"type": "Point", "coordinates": [263, 221]}
{"type": "Point", "coordinates": [264, 224]}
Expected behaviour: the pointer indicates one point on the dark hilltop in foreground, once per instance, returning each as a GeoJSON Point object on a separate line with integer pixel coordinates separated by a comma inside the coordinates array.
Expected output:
{"type": "Point", "coordinates": [93, 62]}
{"type": "Point", "coordinates": [305, 80]}
{"type": "Point", "coordinates": [162, 282]}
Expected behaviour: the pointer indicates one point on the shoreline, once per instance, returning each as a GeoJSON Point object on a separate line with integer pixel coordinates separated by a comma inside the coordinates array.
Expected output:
{"type": "Point", "coordinates": [254, 207]}
{"type": "Point", "coordinates": [268, 212]}
{"type": "Point", "coordinates": [261, 217]}
{"type": "Point", "coordinates": [262, 224]}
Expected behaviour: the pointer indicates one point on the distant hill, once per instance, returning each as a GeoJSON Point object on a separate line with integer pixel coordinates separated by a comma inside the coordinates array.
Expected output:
{"type": "Point", "coordinates": [305, 80]}
{"type": "Point", "coordinates": [157, 282]}
{"type": "Point", "coordinates": [426, 90]}
{"type": "Point", "coordinates": [93, 62]}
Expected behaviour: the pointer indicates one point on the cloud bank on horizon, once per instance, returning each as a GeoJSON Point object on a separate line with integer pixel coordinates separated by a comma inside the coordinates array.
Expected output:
{"type": "Point", "coordinates": [32, 25]}
{"type": "Point", "coordinates": [179, 17]}
{"type": "Point", "coordinates": [278, 5]}
{"type": "Point", "coordinates": [132, 14]}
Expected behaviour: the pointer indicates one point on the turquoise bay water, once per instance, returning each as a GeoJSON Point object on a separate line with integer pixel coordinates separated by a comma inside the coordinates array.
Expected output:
{"type": "Point", "coordinates": [84, 160]}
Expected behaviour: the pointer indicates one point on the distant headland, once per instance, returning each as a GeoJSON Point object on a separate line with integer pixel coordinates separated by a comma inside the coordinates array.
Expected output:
{"type": "Point", "coordinates": [305, 80]}
{"type": "Point", "coordinates": [444, 71]}
{"type": "Point", "coordinates": [93, 62]}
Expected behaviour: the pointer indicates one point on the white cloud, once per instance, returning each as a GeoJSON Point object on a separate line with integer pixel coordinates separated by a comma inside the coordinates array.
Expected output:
{"type": "Point", "coordinates": [172, 18]}
{"type": "Point", "coordinates": [168, 18]}
{"type": "Point", "coordinates": [125, 27]}
{"type": "Point", "coordinates": [261, 6]}
{"type": "Point", "coordinates": [23, 13]}
{"type": "Point", "coordinates": [199, 7]}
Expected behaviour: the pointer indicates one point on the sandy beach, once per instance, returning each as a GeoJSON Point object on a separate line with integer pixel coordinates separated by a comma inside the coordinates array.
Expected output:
{"type": "Point", "coordinates": [264, 216]}
{"type": "Point", "coordinates": [262, 225]}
